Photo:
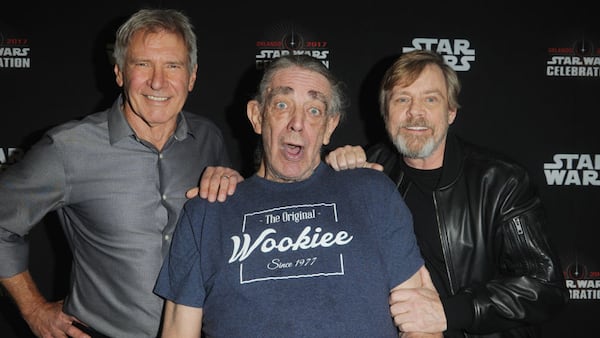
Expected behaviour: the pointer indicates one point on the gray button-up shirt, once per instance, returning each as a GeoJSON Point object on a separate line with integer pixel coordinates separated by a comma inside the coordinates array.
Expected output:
{"type": "Point", "coordinates": [118, 199]}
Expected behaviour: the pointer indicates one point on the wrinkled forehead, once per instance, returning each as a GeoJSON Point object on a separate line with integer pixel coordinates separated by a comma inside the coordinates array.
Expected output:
{"type": "Point", "coordinates": [300, 81]}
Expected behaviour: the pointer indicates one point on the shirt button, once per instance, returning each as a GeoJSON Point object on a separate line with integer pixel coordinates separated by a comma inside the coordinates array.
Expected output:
{"type": "Point", "coordinates": [160, 155]}
{"type": "Point", "coordinates": [167, 237]}
{"type": "Point", "coordinates": [164, 197]}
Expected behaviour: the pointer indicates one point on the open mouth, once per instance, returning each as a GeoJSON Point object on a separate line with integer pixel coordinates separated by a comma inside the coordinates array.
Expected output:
{"type": "Point", "coordinates": [293, 151]}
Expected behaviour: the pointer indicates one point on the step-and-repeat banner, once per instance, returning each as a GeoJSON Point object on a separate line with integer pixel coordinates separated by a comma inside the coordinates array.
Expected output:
{"type": "Point", "coordinates": [531, 89]}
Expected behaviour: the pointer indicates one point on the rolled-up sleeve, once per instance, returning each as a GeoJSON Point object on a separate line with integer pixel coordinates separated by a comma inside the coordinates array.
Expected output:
{"type": "Point", "coordinates": [29, 190]}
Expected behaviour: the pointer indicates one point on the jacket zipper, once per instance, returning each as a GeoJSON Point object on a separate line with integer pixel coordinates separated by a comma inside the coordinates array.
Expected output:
{"type": "Point", "coordinates": [517, 222]}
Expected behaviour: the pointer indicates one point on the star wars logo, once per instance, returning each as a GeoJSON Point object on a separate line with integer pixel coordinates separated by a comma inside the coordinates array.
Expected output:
{"type": "Point", "coordinates": [579, 60]}
{"type": "Point", "coordinates": [573, 169]}
{"type": "Point", "coordinates": [581, 283]}
{"type": "Point", "coordinates": [265, 56]}
{"type": "Point", "coordinates": [289, 38]}
{"type": "Point", "coordinates": [580, 66]}
{"type": "Point", "coordinates": [583, 288]}
{"type": "Point", "coordinates": [456, 52]}
{"type": "Point", "coordinates": [14, 53]}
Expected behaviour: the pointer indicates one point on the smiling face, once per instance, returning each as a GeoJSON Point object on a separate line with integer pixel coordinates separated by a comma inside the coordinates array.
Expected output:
{"type": "Point", "coordinates": [294, 124]}
{"type": "Point", "coordinates": [156, 79]}
{"type": "Point", "coordinates": [418, 117]}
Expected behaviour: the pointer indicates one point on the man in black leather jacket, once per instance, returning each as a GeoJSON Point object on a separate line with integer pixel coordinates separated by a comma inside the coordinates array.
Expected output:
{"type": "Point", "coordinates": [477, 217]}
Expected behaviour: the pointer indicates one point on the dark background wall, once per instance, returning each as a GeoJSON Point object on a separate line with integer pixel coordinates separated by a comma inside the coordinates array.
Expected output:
{"type": "Point", "coordinates": [524, 94]}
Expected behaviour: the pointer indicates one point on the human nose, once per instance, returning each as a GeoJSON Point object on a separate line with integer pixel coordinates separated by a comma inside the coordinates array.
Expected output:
{"type": "Point", "coordinates": [157, 79]}
{"type": "Point", "coordinates": [296, 121]}
{"type": "Point", "coordinates": [415, 108]}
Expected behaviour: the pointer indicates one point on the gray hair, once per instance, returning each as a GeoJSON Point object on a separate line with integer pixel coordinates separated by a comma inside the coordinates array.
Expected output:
{"type": "Point", "coordinates": [407, 68]}
{"type": "Point", "coordinates": [156, 20]}
{"type": "Point", "coordinates": [337, 104]}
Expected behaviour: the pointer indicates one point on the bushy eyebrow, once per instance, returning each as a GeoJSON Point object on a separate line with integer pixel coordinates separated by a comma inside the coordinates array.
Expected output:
{"type": "Point", "coordinates": [277, 91]}
{"type": "Point", "coordinates": [427, 92]}
{"type": "Point", "coordinates": [284, 90]}
{"type": "Point", "coordinates": [317, 95]}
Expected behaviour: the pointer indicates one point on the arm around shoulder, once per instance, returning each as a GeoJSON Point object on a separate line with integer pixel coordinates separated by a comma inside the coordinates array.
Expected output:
{"type": "Point", "coordinates": [216, 184]}
{"type": "Point", "coordinates": [350, 157]}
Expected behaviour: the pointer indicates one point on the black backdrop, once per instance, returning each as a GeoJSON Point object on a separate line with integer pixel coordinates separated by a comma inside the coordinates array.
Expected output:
{"type": "Point", "coordinates": [530, 90]}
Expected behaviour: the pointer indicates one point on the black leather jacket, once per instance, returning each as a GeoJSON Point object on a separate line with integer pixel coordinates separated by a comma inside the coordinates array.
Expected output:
{"type": "Point", "coordinates": [491, 227]}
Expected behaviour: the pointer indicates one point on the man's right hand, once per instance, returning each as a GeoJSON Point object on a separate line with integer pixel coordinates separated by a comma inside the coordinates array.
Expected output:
{"type": "Point", "coordinates": [48, 320]}
{"type": "Point", "coordinates": [45, 319]}
{"type": "Point", "coordinates": [350, 157]}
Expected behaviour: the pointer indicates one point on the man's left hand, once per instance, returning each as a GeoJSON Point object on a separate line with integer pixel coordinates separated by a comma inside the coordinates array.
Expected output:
{"type": "Point", "coordinates": [216, 184]}
{"type": "Point", "coordinates": [418, 309]}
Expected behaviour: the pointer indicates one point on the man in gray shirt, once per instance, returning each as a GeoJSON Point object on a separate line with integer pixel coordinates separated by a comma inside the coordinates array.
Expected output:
{"type": "Point", "coordinates": [117, 180]}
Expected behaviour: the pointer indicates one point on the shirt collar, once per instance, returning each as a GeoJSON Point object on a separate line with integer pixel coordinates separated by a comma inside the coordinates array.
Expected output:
{"type": "Point", "coordinates": [118, 128]}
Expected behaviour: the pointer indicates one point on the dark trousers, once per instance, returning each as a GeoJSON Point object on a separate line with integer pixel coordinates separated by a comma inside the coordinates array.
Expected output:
{"type": "Point", "coordinates": [90, 331]}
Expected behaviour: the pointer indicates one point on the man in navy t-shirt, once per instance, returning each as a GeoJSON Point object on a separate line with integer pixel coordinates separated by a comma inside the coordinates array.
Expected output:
{"type": "Point", "coordinates": [299, 250]}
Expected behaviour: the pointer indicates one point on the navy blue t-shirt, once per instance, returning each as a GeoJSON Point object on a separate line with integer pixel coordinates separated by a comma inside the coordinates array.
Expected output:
{"type": "Point", "coordinates": [315, 258]}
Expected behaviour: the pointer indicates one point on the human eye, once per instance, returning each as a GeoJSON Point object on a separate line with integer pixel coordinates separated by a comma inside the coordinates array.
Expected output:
{"type": "Point", "coordinates": [280, 105]}
{"type": "Point", "coordinates": [174, 66]}
{"type": "Point", "coordinates": [314, 111]}
{"type": "Point", "coordinates": [432, 99]}
{"type": "Point", "coordinates": [401, 99]}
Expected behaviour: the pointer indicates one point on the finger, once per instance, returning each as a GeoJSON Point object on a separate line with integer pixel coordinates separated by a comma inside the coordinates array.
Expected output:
{"type": "Point", "coordinates": [406, 322]}
{"type": "Point", "coordinates": [193, 192]}
{"type": "Point", "coordinates": [401, 295]}
{"type": "Point", "coordinates": [375, 166]}
{"type": "Point", "coordinates": [223, 188]}
{"type": "Point", "coordinates": [426, 278]}
{"type": "Point", "coordinates": [407, 327]}
{"type": "Point", "coordinates": [233, 181]}
{"type": "Point", "coordinates": [67, 327]}
{"type": "Point", "coordinates": [346, 157]}
{"type": "Point", "coordinates": [401, 322]}
{"type": "Point", "coordinates": [211, 180]}
{"type": "Point", "coordinates": [342, 162]}
{"type": "Point", "coordinates": [359, 155]}
{"type": "Point", "coordinates": [335, 160]}
{"type": "Point", "coordinates": [352, 157]}
{"type": "Point", "coordinates": [399, 310]}
{"type": "Point", "coordinates": [329, 160]}
{"type": "Point", "coordinates": [75, 332]}
{"type": "Point", "coordinates": [228, 184]}
{"type": "Point", "coordinates": [205, 182]}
